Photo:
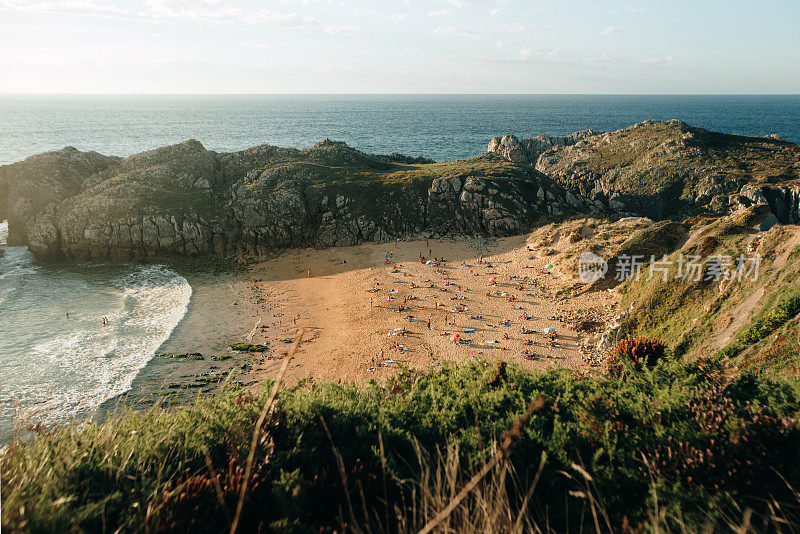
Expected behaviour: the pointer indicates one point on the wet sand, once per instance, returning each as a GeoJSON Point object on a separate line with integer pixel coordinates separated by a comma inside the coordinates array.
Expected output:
{"type": "Point", "coordinates": [224, 309]}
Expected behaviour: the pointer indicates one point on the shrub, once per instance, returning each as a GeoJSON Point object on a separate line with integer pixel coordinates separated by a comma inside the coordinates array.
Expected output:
{"type": "Point", "coordinates": [386, 457]}
{"type": "Point", "coordinates": [637, 352]}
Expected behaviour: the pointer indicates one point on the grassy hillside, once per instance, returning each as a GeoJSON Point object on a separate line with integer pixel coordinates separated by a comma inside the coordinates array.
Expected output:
{"type": "Point", "coordinates": [753, 321]}
{"type": "Point", "coordinates": [333, 163]}
{"type": "Point", "coordinates": [681, 444]}
{"type": "Point", "coordinates": [658, 156]}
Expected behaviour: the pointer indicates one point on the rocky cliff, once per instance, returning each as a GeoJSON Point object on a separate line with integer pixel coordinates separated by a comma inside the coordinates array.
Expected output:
{"type": "Point", "coordinates": [667, 169]}
{"type": "Point", "coordinates": [184, 200]}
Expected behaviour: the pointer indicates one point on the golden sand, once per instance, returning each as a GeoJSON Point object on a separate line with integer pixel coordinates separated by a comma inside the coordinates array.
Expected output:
{"type": "Point", "coordinates": [365, 316]}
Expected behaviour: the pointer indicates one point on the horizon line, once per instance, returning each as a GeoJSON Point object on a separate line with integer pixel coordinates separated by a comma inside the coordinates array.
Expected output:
{"type": "Point", "coordinates": [2, 93]}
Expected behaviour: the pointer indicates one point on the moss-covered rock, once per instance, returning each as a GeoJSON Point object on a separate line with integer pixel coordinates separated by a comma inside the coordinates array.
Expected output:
{"type": "Point", "coordinates": [185, 201]}
{"type": "Point", "coordinates": [249, 347]}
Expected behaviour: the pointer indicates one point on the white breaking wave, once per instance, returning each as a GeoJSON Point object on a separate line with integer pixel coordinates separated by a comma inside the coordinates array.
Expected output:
{"type": "Point", "coordinates": [82, 363]}
{"type": "Point", "coordinates": [3, 233]}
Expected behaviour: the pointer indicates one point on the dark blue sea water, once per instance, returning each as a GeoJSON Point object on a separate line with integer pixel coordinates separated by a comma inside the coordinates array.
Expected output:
{"type": "Point", "coordinates": [435, 126]}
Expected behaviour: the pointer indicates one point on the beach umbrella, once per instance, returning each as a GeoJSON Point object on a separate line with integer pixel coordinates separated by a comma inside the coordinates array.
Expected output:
{"type": "Point", "coordinates": [549, 330]}
{"type": "Point", "coordinates": [455, 337]}
{"type": "Point", "coordinates": [548, 266]}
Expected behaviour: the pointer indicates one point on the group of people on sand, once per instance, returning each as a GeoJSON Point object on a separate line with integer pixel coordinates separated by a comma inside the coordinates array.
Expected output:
{"type": "Point", "coordinates": [440, 268]}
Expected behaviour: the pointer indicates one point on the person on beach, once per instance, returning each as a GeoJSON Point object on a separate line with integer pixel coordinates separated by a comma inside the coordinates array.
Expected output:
{"type": "Point", "coordinates": [66, 314]}
{"type": "Point", "coordinates": [309, 273]}
{"type": "Point", "coordinates": [105, 321]}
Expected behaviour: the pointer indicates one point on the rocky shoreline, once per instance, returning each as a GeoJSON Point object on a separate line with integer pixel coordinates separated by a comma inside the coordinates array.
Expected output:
{"type": "Point", "coordinates": [184, 200]}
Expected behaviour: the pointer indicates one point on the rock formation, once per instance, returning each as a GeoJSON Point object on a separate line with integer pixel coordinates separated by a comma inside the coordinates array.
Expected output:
{"type": "Point", "coordinates": [183, 200]}
{"type": "Point", "coordinates": [527, 151]}
{"type": "Point", "coordinates": [668, 169]}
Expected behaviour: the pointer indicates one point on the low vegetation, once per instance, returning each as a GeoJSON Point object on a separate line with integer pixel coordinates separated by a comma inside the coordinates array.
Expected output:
{"type": "Point", "coordinates": [211, 265]}
{"type": "Point", "coordinates": [765, 323]}
{"type": "Point", "coordinates": [740, 317]}
{"type": "Point", "coordinates": [249, 347]}
{"type": "Point", "coordinates": [636, 353]}
{"type": "Point", "coordinates": [667, 444]}
{"type": "Point", "coordinates": [182, 355]}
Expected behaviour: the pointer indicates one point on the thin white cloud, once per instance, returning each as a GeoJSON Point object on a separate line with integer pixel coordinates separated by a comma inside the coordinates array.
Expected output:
{"type": "Point", "coordinates": [217, 11]}
{"type": "Point", "coordinates": [205, 10]}
{"type": "Point", "coordinates": [272, 19]}
{"type": "Point", "coordinates": [455, 31]}
{"type": "Point", "coordinates": [441, 12]}
{"type": "Point", "coordinates": [611, 30]}
{"type": "Point", "coordinates": [463, 3]}
{"type": "Point", "coordinates": [343, 29]}
{"type": "Point", "coordinates": [629, 9]}
{"type": "Point", "coordinates": [661, 60]}
{"type": "Point", "coordinates": [72, 7]}
{"type": "Point", "coordinates": [526, 54]}
{"type": "Point", "coordinates": [260, 44]}
{"type": "Point", "coordinates": [307, 2]}
{"type": "Point", "coordinates": [486, 31]}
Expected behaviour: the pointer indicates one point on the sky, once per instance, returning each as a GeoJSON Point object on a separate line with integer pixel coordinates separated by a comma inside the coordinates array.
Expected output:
{"type": "Point", "coordinates": [401, 46]}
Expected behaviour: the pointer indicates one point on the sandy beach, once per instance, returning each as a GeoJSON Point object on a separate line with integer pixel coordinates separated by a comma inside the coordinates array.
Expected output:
{"type": "Point", "coordinates": [371, 308]}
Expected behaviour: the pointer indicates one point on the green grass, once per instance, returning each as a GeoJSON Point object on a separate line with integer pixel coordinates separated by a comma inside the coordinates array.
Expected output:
{"type": "Point", "coordinates": [767, 321]}
{"type": "Point", "coordinates": [706, 445]}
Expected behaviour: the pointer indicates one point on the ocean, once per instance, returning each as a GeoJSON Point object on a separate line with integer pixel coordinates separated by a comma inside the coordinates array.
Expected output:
{"type": "Point", "coordinates": [56, 369]}
{"type": "Point", "coordinates": [441, 127]}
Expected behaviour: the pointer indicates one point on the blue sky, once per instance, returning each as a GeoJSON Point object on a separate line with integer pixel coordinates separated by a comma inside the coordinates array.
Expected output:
{"type": "Point", "coordinates": [404, 46]}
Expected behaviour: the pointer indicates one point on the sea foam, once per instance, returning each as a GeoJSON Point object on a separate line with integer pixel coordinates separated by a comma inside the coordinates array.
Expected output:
{"type": "Point", "coordinates": [56, 369]}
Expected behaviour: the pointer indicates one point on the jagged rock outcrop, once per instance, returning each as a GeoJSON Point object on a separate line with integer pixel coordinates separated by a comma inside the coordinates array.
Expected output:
{"type": "Point", "coordinates": [527, 151]}
{"type": "Point", "coordinates": [669, 169]}
{"type": "Point", "coordinates": [30, 187]}
{"type": "Point", "coordinates": [394, 157]}
{"type": "Point", "coordinates": [183, 200]}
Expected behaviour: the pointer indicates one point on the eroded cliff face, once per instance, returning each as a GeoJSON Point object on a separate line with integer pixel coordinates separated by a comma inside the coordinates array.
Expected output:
{"type": "Point", "coordinates": [37, 184]}
{"type": "Point", "coordinates": [183, 200]}
{"type": "Point", "coordinates": [667, 169]}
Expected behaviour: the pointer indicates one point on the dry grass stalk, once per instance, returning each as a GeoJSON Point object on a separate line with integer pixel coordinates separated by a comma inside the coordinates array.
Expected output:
{"type": "Point", "coordinates": [257, 430]}
{"type": "Point", "coordinates": [508, 442]}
